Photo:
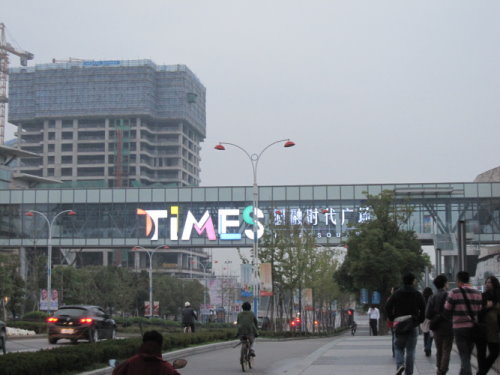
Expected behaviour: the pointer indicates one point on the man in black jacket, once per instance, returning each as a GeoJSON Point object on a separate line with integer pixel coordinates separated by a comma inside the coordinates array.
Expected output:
{"type": "Point", "coordinates": [443, 333]}
{"type": "Point", "coordinates": [406, 307]}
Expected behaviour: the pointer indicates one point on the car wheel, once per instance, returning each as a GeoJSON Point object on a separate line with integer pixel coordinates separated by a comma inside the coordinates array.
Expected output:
{"type": "Point", "coordinates": [93, 335]}
{"type": "Point", "coordinates": [52, 340]}
{"type": "Point", "coordinates": [74, 341]}
{"type": "Point", "coordinates": [3, 341]}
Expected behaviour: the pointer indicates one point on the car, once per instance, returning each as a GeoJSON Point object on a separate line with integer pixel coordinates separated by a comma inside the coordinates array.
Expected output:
{"type": "Point", "coordinates": [80, 322]}
{"type": "Point", "coordinates": [3, 336]}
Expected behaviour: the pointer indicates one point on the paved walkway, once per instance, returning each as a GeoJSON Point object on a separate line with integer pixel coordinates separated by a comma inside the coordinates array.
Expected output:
{"type": "Point", "coordinates": [368, 355]}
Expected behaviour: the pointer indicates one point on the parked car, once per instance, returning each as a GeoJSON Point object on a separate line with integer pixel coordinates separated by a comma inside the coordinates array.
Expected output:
{"type": "Point", "coordinates": [3, 336]}
{"type": "Point", "coordinates": [80, 322]}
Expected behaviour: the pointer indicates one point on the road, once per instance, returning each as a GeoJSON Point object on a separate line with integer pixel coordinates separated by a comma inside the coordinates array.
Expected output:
{"type": "Point", "coordinates": [31, 344]}
{"type": "Point", "coordinates": [343, 355]}
{"type": "Point", "coordinates": [273, 357]}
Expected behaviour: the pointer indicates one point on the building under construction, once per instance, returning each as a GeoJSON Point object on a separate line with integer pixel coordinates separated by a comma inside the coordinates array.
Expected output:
{"type": "Point", "coordinates": [109, 123]}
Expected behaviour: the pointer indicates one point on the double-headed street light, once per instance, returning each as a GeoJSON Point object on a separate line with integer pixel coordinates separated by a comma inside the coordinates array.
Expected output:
{"type": "Point", "coordinates": [150, 253]}
{"type": "Point", "coordinates": [50, 224]}
{"type": "Point", "coordinates": [254, 160]}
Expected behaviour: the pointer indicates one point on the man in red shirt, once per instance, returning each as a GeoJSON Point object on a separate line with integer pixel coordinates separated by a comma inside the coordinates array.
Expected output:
{"type": "Point", "coordinates": [148, 361]}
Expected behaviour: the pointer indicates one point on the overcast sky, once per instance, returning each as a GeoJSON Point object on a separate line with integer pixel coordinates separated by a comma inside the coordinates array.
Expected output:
{"type": "Point", "coordinates": [371, 91]}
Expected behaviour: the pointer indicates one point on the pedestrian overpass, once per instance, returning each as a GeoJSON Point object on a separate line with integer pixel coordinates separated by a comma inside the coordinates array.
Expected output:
{"type": "Point", "coordinates": [113, 221]}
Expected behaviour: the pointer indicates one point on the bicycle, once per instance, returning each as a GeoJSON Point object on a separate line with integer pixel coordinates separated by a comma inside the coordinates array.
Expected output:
{"type": "Point", "coordinates": [246, 358]}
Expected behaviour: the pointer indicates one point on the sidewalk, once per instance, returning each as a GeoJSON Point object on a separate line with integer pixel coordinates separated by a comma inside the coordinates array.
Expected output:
{"type": "Point", "coordinates": [364, 354]}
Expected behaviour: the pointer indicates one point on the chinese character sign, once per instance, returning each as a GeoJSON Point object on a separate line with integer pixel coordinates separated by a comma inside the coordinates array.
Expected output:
{"type": "Point", "coordinates": [266, 280]}
{"type": "Point", "coordinates": [246, 280]}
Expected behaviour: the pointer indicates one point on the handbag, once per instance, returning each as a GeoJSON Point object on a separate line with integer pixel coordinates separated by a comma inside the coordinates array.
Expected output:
{"type": "Point", "coordinates": [437, 319]}
{"type": "Point", "coordinates": [435, 322]}
{"type": "Point", "coordinates": [479, 330]}
{"type": "Point", "coordinates": [404, 326]}
{"type": "Point", "coordinates": [425, 325]}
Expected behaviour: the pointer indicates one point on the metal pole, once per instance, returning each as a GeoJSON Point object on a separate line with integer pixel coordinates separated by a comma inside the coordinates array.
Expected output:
{"type": "Point", "coordinates": [49, 249]}
{"type": "Point", "coordinates": [150, 255]}
{"type": "Point", "coordinates": [256, 288]}
{"type": "Point", "coordinates": [462, 255]}
{"type": "Point", "coordinates": [439, 268]}
{"type": "Point", "coordinates": [49, 270]}
{"type": "Point", "coordinates": [254, 160]}
{"type": "Point", "coordinates": [150, 283]}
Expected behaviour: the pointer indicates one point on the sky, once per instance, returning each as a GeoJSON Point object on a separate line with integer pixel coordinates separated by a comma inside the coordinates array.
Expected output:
{"type": "Point", "coordinates": [384, 91]}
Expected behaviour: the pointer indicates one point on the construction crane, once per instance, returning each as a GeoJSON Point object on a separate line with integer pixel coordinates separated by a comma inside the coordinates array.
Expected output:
{"type": "Point", "coordinates": [5, 49]}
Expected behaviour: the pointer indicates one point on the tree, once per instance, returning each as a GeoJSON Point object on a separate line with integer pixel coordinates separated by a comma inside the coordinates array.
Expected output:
{"type": "Point", "coordinates": [12, 287]}
{"type": "Point", "coordinates": [295, 259]}
{"type": "Point", "coordinates": [379, 251]}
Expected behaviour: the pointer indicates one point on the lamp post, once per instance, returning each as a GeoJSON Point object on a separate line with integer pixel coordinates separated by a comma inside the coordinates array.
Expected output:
{"type": "Point", "coordinates": [50, 224]}
{"type": "Point", "coordinates": [254, 160]}
{"type": "Point", "coordinates": [205, 282]}
{"type": "Point", "coordinates": [150, 254]}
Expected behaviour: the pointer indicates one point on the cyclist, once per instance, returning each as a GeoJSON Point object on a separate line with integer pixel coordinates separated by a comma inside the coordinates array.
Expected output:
{"type": "Point", "coordinates": [247, 325]}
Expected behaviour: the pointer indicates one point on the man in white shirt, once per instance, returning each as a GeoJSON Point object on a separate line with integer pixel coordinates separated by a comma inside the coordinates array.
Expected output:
{"type": "Point", "coordinates": [374, 316]}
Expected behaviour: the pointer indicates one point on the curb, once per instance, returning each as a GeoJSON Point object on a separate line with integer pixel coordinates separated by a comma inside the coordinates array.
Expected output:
{"type": "Point", "coordinates": [169, 356]}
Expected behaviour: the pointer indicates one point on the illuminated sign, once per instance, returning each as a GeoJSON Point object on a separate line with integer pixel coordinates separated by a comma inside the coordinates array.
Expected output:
{"type": "Point", "coordinates": [327, 222]}
{"type": "Point", "coordinates": [227, 219]}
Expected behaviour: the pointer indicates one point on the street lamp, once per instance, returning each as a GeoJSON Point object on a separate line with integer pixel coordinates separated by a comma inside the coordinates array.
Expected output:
{"type": "Point", "coordinates": [254, 160]}
{"type": "Point", "coordinates": [204, 279]}
{"type": "Point", "coordinates": [50, 224]}
{"type": "Point", "coordinates": [150, 254]}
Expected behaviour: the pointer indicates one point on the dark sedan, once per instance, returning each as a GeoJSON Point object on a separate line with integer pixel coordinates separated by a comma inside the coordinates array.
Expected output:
{"type": "Point", "coordinates": [80, 322]}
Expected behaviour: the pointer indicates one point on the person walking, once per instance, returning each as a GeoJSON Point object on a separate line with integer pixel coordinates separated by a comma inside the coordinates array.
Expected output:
{"type": "Point", "coordinates": [406, 307]}
{"type": "Point", "coordinates": [390, 325]}
{"type": "Point", "coordinates": [489, 316]}
{"type": "Point", "coordinates": [442, 330]}
{"type": "Point", "coordinates": [188, 317]}
{"type": "Point", "coordinates": [462, 306]}
{"type": "Point", "coordinates": [427, 293]}
{"type": "Point", "coordinates": [374, 316]}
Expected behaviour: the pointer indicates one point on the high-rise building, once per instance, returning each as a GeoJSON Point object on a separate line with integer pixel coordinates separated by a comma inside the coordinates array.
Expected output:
{"type": "Point", "coordinates": [109, 123]}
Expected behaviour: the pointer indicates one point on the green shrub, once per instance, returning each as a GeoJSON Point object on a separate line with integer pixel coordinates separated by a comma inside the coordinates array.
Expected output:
{"type": "Point", "coordinates": [36, 316]}
{"type": "Point", "coordinates": [84, 356]}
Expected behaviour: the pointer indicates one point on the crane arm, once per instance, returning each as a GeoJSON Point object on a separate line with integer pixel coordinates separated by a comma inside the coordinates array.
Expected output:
{"type": "Point", "coordinates": [7, 47]}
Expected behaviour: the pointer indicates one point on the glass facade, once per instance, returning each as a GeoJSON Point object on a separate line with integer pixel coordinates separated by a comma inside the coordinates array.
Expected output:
{"type": "Point", "coordinates": [209, 217]}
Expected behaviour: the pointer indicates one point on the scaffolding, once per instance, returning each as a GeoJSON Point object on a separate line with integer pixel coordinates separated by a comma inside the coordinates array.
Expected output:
{"type": "Point", "coordinates": [126, 122]}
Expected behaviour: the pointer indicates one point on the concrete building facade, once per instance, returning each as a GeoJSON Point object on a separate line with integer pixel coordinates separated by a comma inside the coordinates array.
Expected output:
{"type": "Point", "coordinates": [109, 123]}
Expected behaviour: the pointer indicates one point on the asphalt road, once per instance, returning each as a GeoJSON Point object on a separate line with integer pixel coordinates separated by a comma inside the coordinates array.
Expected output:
{"type": "Point", "coordinates": [32, 344]}
{"type": "Point", "coordinates": [273, 357]}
